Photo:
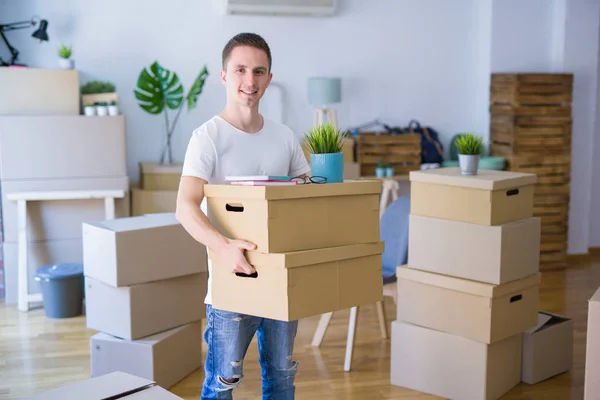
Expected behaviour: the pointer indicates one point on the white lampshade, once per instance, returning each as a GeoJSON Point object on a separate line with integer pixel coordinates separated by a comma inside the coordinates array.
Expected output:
{"type": "Point", "coordinates": [324, 90]}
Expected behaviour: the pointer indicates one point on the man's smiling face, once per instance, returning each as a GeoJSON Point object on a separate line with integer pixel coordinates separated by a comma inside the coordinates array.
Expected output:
{"type": "Point", "coordinates": [247, 75]}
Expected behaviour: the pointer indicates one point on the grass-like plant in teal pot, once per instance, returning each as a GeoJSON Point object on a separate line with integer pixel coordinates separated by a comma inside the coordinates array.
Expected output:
{"type": "Point", "coordinates": [324, 143]}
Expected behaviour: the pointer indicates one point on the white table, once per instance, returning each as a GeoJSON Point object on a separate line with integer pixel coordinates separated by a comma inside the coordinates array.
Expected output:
{"type": "Point", "coordinates": [109, 196]}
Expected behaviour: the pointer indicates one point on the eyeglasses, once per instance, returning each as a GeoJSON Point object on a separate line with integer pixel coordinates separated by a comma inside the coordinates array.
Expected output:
{"type": "Point", "coordinates": [310, 179]}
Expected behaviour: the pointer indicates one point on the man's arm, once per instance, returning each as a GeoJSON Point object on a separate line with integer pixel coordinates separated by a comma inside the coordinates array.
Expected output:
{"type": "Point", "coordinates": [197, 224]}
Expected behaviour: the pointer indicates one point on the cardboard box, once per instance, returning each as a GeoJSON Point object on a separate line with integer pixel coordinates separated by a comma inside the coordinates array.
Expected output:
{"type": "Point", "coordinates": [154, 176]}
{"type": "Point", "coordinates": [295, 285]}
{"type": "Point", "coordinates": [152, 201]}
{"type": "Point", "coordinates": [165, 358]}
{"type": "Point", "coordinates": [36, 91]}
{"type": "Point", "coordinates": [592, 352]}
{"type": "Point", "coordinates": [489, 198]}
{"type": "Point", "coordinates": [62, 146]}
{"type": "Point", "coordinates": [351, 171]}
{"type": "Point", "coordinates": [117, 385]}
{"type": "Point", "coordinates": [133, 250]}
{"type": "Point", "coordinates": [133, 312]}
{"type": "Point", "coordinates": [292, 218]}
{"type": "Point", "coordinates": [453, 367]}
{"type": "Point", "coordinates": [493, 254]}
{"type": "Point", "coordinates": [475, 310]}
{"type": "Point", "coordinates": [547, 348]}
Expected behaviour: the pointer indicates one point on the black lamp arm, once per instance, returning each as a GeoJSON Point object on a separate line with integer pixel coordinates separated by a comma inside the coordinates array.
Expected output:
{"type": "Point", "coordinates": [13, 52]}
{"type": "Point", "coordinates": [17, 25]}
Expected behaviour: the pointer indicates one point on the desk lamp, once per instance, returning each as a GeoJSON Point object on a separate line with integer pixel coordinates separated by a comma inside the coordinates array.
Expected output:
{"type": "Point", "coordinates": [323, 91]}
{"type": "Point", "coordinates": [40, 34]}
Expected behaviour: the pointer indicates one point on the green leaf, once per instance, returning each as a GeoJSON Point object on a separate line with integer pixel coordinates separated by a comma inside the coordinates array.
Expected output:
{"type": "Point", "coordinates": [196, 89]}
{"type": "Point", "coordinates": [158, 87]}
{"type": "Point", "coordinates": [325, 138]}
{"type": "Point", "coordinates": [469, 144]}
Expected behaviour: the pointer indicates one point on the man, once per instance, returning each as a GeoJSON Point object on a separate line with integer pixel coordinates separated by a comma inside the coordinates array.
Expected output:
{"type": "Point", "coordinates": [239, 141]}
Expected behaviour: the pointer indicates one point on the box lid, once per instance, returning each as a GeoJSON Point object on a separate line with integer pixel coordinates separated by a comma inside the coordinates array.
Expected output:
{"type": "Point", "coordinates": [465, 285]}
{"type": "Point", "coordinates": [157, 168]}
{"type": "Point", "coordinates": [349, 187]}
{"type": "Point", "coordinates": [315, 256]}
{"type": "Point", "coordinates": [487, 179]}
{"type": "Point", "coordinates": [137, 223]}
{"type": "Point", "coordinates": [596, 297]}
{"type": "Point", "coordinates": [545, 321]}
{"type": "Point", "coordinates": [115, 385]}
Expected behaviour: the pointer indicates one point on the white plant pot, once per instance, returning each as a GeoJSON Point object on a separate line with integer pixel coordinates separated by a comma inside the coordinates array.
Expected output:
{"type": "Point", "coordinates": [66, 63]}
{"type": "Point", "coordinates": [89, 111]}
{"type": "Point", "coordinates": [113, 111]}
{"type": "Point", "coordinates": [468, 163]}
{"type": "Point", "coordinates": [102, 111]}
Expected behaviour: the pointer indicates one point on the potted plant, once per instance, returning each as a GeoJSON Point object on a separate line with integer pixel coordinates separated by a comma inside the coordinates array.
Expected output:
{"type": "Point", "coordinates": [113, 108]}
{"type": "Point", "coordinates": [469, 148]}
{"type": "Point", "coordinates": [101, 109]}
{"type": "Point", "coordinates": [65, 60]}
{"type": "Point", "coordinates": [324, 143]}
{"type": "Point", "coordinates": [159, 89]}
{"type": "Point", "coordinates": [389, 170]}
{"type": "Point", "coordinates": [89, 110]}
{"type": "Point", "coordinates": [380, 169]}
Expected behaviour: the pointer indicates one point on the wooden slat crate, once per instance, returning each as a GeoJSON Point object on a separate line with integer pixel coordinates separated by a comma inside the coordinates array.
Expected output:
{"type": "Point", "coordinates": [512, 134]}
{"type": "Point", "coordinates": [553, 172]}
{"type": "Point", "coordinates": [532, 90]}
{"type": "Point", "coordinates": [554, 213]}
{"type": "Point", "coordinates": [402, 151]}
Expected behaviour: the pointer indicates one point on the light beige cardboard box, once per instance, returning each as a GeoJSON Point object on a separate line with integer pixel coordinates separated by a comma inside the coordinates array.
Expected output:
{"type": "Point", "coordinates": [152, 201]}
{"type": "Point", "coordinates": [116, 385]}
{"type": "Point", "coordinates": [451, 366]}
{"type": "Point", "coordinates": [493, 254]}
{"type": "Point", "coordinates": [294, 285]}
{"type": "Point", "coordinates": [489, 198]}
{"type": "Point", "coordinates": [38, 91]}
{"type": "Point", "coordinates": [302, 217]}
{"type": "Point", "coordinates": [133, 312]}
{"type": "Point", "coordinates": [154, 176]}
{"type": "Point", "coordinates": [165, 358]}
{"type": "Point", "coordinates": [592, 352]}
{"type": "Point", "coordinates": [547, 348]}
{"type": "Point", "coordinates": [475, 310]}
{"type": "Point", "coordinates": [134, 250]}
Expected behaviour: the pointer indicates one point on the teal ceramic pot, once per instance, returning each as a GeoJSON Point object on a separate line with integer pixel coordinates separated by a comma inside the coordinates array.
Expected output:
{"type": "Point", "coordinates": [330, 166]}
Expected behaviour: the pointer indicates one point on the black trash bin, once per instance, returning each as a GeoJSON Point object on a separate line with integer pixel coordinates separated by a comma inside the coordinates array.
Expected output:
{"type": "Point", "coordinates": [62, 289]}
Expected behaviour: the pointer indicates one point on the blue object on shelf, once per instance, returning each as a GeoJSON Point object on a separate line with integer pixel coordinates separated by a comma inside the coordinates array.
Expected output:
{"type": "Point", "coordinates": [62, 289]}
{"type": "Point", "coordinates": [328, 165]}
{"type": "Point", "coordinates": [485, 162]}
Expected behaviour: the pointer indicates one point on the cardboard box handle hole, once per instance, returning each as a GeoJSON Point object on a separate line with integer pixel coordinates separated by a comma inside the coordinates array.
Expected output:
{"type": "Point", "coordinates": [516, 298]}
{"type": "Point", "coordinates": [234, 207]}
{"type": "Point", "coordinates": [243, 275]}
{"type": "Point", "coordinates": [512, 192]}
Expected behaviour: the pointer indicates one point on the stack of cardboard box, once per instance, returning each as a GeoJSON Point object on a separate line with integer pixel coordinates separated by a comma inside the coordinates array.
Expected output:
{"type": "Point", "coordinates": [145, 283]}
{"type": "Point", "coordinates": [471, 285]}
{"type": "Point", "coordinates": [157, 191]}
{"type": "Point", "coordinates": [318, 247]}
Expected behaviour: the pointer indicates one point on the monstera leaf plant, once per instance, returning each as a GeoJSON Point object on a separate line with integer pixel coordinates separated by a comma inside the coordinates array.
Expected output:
{"type": "Point", "coordinates": [159, 90]}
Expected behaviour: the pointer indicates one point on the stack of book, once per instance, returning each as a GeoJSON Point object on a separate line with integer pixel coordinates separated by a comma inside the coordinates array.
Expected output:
{"type": "Point", "coordinates": [261, 180]}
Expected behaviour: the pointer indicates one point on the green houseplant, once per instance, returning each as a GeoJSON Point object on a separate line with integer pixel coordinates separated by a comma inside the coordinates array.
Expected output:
{"type": "Point", "coordinates": [469, 148]}
{"type": "Point", "coordinates": [324, 143]}
{"type": "Point", "coordinates": [64, 57]}
{"type": "Point", "coordinates": [158, 90]}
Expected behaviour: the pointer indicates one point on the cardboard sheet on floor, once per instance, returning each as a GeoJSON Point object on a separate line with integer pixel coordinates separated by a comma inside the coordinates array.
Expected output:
{"type": "Point", "coordinates": [592, 352]}
{"type": "Point", "coordinates": [489, 198]}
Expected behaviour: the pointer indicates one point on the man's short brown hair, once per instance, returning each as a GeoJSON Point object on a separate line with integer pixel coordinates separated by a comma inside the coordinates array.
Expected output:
{"type": "Point", "coordinates": [245, 39]}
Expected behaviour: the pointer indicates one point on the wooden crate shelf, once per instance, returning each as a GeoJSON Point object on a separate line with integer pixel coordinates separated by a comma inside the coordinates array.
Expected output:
{"type": "Point", "coordinates": [530, 91]}
{"type": "Point", "coordinates": [553, 172]}
{"type": "Point", "coordinates": [402, 151]}
{"type": "Point", "coordinates": [553, 210]}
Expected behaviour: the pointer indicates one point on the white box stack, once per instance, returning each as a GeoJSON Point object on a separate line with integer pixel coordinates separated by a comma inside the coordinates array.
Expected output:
{"type": "Point", "coordinates": [145, 284]}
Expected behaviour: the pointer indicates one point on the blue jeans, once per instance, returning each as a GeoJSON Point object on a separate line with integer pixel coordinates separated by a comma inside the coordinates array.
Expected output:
{"type": "Point", "coordinates": [228, 336]}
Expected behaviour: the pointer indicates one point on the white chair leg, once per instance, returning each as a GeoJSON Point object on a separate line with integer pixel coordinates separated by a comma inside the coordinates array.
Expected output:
{"type": "Point", "coordinates": [321, 329]}
{"type": "Point", "coordinates": [382, 321]}
{"type": "Point", "coordinates": [352, 324]}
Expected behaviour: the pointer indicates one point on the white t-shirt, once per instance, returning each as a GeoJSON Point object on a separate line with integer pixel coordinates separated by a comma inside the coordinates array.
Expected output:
{"type": "Point", "coordinates": [218, 149]}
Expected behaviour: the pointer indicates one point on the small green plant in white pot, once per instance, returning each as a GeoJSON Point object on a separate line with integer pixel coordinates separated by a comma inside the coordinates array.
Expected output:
{"type": "Point", "coordinates": [113, 108]}
{"type": "Point", "coordinates": [469, 151]}
{"type": "Point", "coordinates": [64, 57]}
{"type": "Point", "coordinates": [89, 110]}
{"type": "Point", "coordinates": [101, 109]}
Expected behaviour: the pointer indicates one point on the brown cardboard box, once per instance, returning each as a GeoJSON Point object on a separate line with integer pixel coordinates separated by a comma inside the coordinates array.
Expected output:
{"type": "Point", "coordinates": [479, 311]}
{"type": "Point", "coordinates": [295, 285]}
{"type": "Point", "coordinates": [154, 176]}
{"type": "Point", "coordinates": [133, 312]}
{"type": "Point", "coordinates": [493, 254]}
{"type": "Point", "coordinates": [133, 250]}
{"type": "Point", "coordinates": [453, 367]}
{"type": "Point", "coordinates": [152, 201]}
{"type": "Point", "coordinates": [116, 385]}
{"type": "Point", "coordinates": [165, 358]}
{"type": "Point", "coordinates": [489, 198]}
{"type": "Point", "coordinates": [292, 218]}
{"type": "Point", "coordinates": [592, 352]}
{"type": "Point", "coordinates": [547, 348]}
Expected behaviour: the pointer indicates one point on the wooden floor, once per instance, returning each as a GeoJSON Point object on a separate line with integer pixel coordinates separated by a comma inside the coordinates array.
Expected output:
{"type": "Point", "coordinates": [37, 353]}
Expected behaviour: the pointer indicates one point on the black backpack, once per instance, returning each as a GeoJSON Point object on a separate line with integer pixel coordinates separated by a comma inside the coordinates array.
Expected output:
{"type": "Point", "coordinates": [432, 150]}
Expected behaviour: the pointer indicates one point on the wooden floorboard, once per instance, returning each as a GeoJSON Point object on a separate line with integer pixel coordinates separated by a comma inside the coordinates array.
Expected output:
{"type": "Point", "coordinates": [37, 353]}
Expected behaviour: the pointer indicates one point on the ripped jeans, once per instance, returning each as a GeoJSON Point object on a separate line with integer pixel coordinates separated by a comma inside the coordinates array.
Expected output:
{"type": "Point", "coordinates": [228, 336]}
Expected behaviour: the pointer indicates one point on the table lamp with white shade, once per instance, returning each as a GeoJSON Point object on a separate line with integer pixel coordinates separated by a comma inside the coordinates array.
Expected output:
{"type": "Point", "coordinates": [322, 92]}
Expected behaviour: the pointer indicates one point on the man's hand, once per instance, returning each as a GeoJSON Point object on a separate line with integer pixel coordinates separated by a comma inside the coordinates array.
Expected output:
{"type": "Point", "coordinates": [232, 256]}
